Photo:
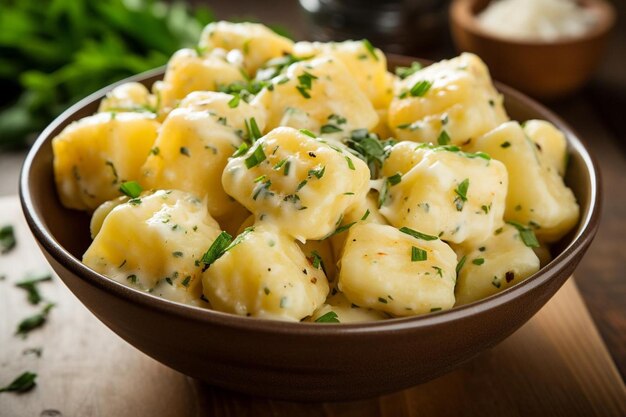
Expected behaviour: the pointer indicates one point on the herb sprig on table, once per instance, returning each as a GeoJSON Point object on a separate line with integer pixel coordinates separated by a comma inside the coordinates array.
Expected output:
{"type": "Point", "coordinates": [55, 52]}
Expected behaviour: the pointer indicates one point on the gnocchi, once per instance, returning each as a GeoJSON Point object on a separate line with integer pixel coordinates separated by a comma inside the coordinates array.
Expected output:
{"type": "Point", "coordinates": [305, 182]}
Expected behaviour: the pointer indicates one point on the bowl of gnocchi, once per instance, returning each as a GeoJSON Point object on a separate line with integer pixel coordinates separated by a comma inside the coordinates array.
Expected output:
{"type": "Point", "coordinates": [310, 221]}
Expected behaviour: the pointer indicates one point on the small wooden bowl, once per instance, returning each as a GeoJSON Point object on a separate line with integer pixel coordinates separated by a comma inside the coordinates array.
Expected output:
{"type": "Point", "coordinates": [545, 70]}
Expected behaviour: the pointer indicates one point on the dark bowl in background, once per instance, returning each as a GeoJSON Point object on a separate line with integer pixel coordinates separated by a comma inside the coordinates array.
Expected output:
{"type": "Point", "coordinates": [299, 361]}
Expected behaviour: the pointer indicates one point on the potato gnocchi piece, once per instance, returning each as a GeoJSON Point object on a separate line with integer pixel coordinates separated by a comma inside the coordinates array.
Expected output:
{"type": "Point", "coordinates": [129, 97]}
{"type": "Point", "coordinates": [450, 101]}
{"type": "Point", "coordinates": [93, 156]}
{"type": "Point", "coordinates": [536, 194]}
{"type": "Point", "coordinates": [193, 147]}
{"type": "Point", "coordinates": [302, 184]}
{"type": "Point", "coordinates": [317, 93]}
{"type": "Point", "coordinates": [265, 275]}
{"type": "Point", "coordinates": [365, 212]}
{"type": "Point", "coordinates": [188, 72]}
{"type": "Point", "coordinates": [499, 262]}
{"type": "Point", "coordinates": [391, 271]}
{"type": "Point", "coordinates": [457, 196]}
{"type": "Point", "coordinates": [103, 210]}
{"type": "Point", "coordinates": [255, 43]}
{"type": "Point", "coordinates": [155, 244]}
{"type": "Point", "coordinates": [338, 309]}
{"type": "Point", "coordinates": [367, 65]}
{"type": "Point", "coordinates": [550, 142]}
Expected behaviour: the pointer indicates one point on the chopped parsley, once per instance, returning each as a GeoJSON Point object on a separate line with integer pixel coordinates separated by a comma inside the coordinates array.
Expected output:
{"type": "Point", "coordinates": [337, 119]}
{"type": "Point", "coordinates": [350, 163]}
{"type": "Point", "coordinates": [184, 151]}
{"type": "Point", "coordinates": [330, 317]}
{"type": "Point", "coordinates": [114, 171]}
{"type": "Point", "coordinates": [234, 102]}
{"type": "Point", "coordinates": [505, 144]}
{"type": "Point", "coordinates": [459, 266]}
{"type": "Point", "coordinates": [340, 229]}
{"type": "Point", "coordinates": [131, 188]}
{"type": "Point", "coordinates": [22, 383]}
{"type": "Point", "coordinates": [478, 261]}
{"type": "Point", "coordinates": [486, 208]}
{"type": "Point", "coordinates": [418, 255]}
{"type": "Point", "coordinates": [155, 151]}
{"type": "Point", "coordinates": [526, 234]}
{"type": "Point", "coordinates": [329, 128]}
{"type": "Point", "coordinates": [35, 321]}
{"type": "Point", "coordinates": [256, 157]}
{"type": "Point", "coordinates": [432, 310]}
{"type": "Point", "coordinates": [419, 89]}
{"type": "Point", "coordinates": [254, 133]}
{"type": "Point", "coordinates": [370, 149]}
{"type": "Point", "coordinates": [365, 216]}
{"type": "Point", "coordinates": [305, 81]}
{"type": "Point", "coordinates": [404, 72]}
{"type": "Point", "coordinates": [132, 278]}
{"type": "Point", "coordinates": [461, 194]}
{"type": "Point", "coordinates": [308, 133]}
{"type": "Point", "coordinates": [30, 285]}
{"type": "Point", "coordinates": [382, 300]}
{"type": "Point", "coordinates": [216, 250]}
{"type": "Point", "coordinates": [186, 281]}
{"type": "Point", "coordinates": [438, 270]}
{"type": "Point", "coordinates": [444, 138]}
{"type": "Point", "coordinates": [418, 235]}
{"type": "Point", "coordinates": [241, 150]}
{"type": "Point", "coordinates": [177, 254]}
{"type": "Point", "coordinates": [316, 260]}
{"type": "Point", "coordinates": [7, 239]}
{"type": "Point", "coordinates": [395, 179]}
{"type": "Point", "coordinates": [370, 49]}
{"type": "Point", "coordinates": [317, 173]}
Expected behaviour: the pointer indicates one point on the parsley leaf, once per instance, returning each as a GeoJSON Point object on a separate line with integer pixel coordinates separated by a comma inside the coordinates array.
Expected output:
{"type": "Point", "coordinates": [330, 317]}
{"type": "Point", "coordinates": [22, 383]}
{"type": "Point", "coordinates": [526, 234]}
{"type": "Point", "coordinates": [7, 239]}
{"type": "Point", "coordinates": [418, 235]}
{"type": "Point", "coordinates": [131, 188]}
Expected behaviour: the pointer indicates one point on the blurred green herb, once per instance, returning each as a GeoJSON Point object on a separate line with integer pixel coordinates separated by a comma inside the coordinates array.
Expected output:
{"type": "Point", "coordinates": [30, 285]}
{"type": "Point", "coordinates": [55, 52]}
{"type": "Point", "coordinates": [22, 383]}
{"type": "Point", "coordinates": [7, 236]}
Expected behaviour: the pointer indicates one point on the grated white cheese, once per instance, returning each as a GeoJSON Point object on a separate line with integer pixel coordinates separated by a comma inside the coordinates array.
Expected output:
{"type": "Point", "coordinates": [537, 20]}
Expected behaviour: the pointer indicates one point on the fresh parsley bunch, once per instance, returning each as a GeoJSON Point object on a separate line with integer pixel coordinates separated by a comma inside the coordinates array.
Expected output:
{"type": "Point", "coordinates": [55, 52]}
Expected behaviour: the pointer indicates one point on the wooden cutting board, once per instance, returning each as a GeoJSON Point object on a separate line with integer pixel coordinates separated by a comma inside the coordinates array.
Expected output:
{"type": "Point", "coordinates": [554, 365]}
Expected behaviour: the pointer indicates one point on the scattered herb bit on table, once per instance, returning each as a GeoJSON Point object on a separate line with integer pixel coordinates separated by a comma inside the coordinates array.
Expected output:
{"type": "Point", "coordinates": [22, 383]}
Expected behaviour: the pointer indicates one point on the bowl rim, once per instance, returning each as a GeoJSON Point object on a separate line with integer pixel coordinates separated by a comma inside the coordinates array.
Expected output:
{"type": "Point", "coordinates": [461, 14]}
{"type": "Point", "coordinates": [584, 235]}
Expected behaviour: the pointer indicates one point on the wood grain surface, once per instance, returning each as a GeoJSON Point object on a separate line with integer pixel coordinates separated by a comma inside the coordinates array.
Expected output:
{"type": "Point", "coordinates": [556, 364]}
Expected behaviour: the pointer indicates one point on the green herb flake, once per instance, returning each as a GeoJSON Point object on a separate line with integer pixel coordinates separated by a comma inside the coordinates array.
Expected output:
{"type": "Point", "coordinates": [434, 309]}
{"type": "Point", "coordinates": [266, 291]}
{"type": "Point", "coordinates": [496, 282]}
{"type": "Point", "coordinates": [418, 235]}
{"type": "Point", "coordinates": [177, 254]}
{"type": "Point", "coordinates": [22, 383]}
{"type": "Point", "coordinates": [382, 300]}
{"type": "Point", "coordinates": [461, 194]}
{"type": "Point", "coordinates": [113, 171]}
{"type": "Point", "coordinates": [444, 138]}
{"type": "Point", "coordinates": [486, 208]}
{"type": "Point", "coordinates": [254, 133]}
{"type": "Point", "coordinates": [308, 133]}
{"type": "Point", "coordinates": [418, 255]}
{"type": "Point", "coordinates": [459, 265]}
{"type": "Point", "coordinates": [505, 144]}
{"type": "Point", "coordinates": [316, 260]}
{"type": "Point", "coordinates": [216, 250]}
{"type": "Point", "coordinates": [317, 173]}
{"type": "Point", "coordinates": [7, 239]}
{"type": "Point", "coordinates": [395, 179]}
{"type": "Point", "coordinates": [328, 128]}
{"type": "Point", "coordinates": [131, 188]}
{"type": "Point", "coordinates": [370, 49]}
{"type": "Point", "coordinates": [478, 261]}
{"type": "Point", "coordinates": [404, 72]}
{"type": "Point", "coordinates": [526, 234]}
{"type": "Point", "coordinates": [186, 281]}
{"type": "Point", "coordinates": [35, 321]}
{"type": "Point", "coordinates": [330, 317]}
{"type": "Point", "coordinates": [350, 163]}
{"type": "Point", "coordinates": [234, 102]}
{"type": "Point", "coordinates": [155, 151]}
{"type": "Point", "coordinates": [366, 215]}
{"type": "Point", "coordinates": [241, 150]}
{"type": "Point", "coordinates": [256, 157]}
{"type": "Point", "coordinates": [132, 278]}
{"type": "Point", "coordinates": [184, 151]}
{"type": "Point", "coordinates": [438, 270]}
{"type": "Point", "coordinates": [419, 89]}
{"type": "Point", "coordinates": [30, 285]}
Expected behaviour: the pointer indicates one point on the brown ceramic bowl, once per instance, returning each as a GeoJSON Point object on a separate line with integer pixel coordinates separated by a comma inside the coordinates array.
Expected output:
{"type": "Point", "coordinates": [298, 361]}
{"type": "Point", "coordinates": [545, 70]}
